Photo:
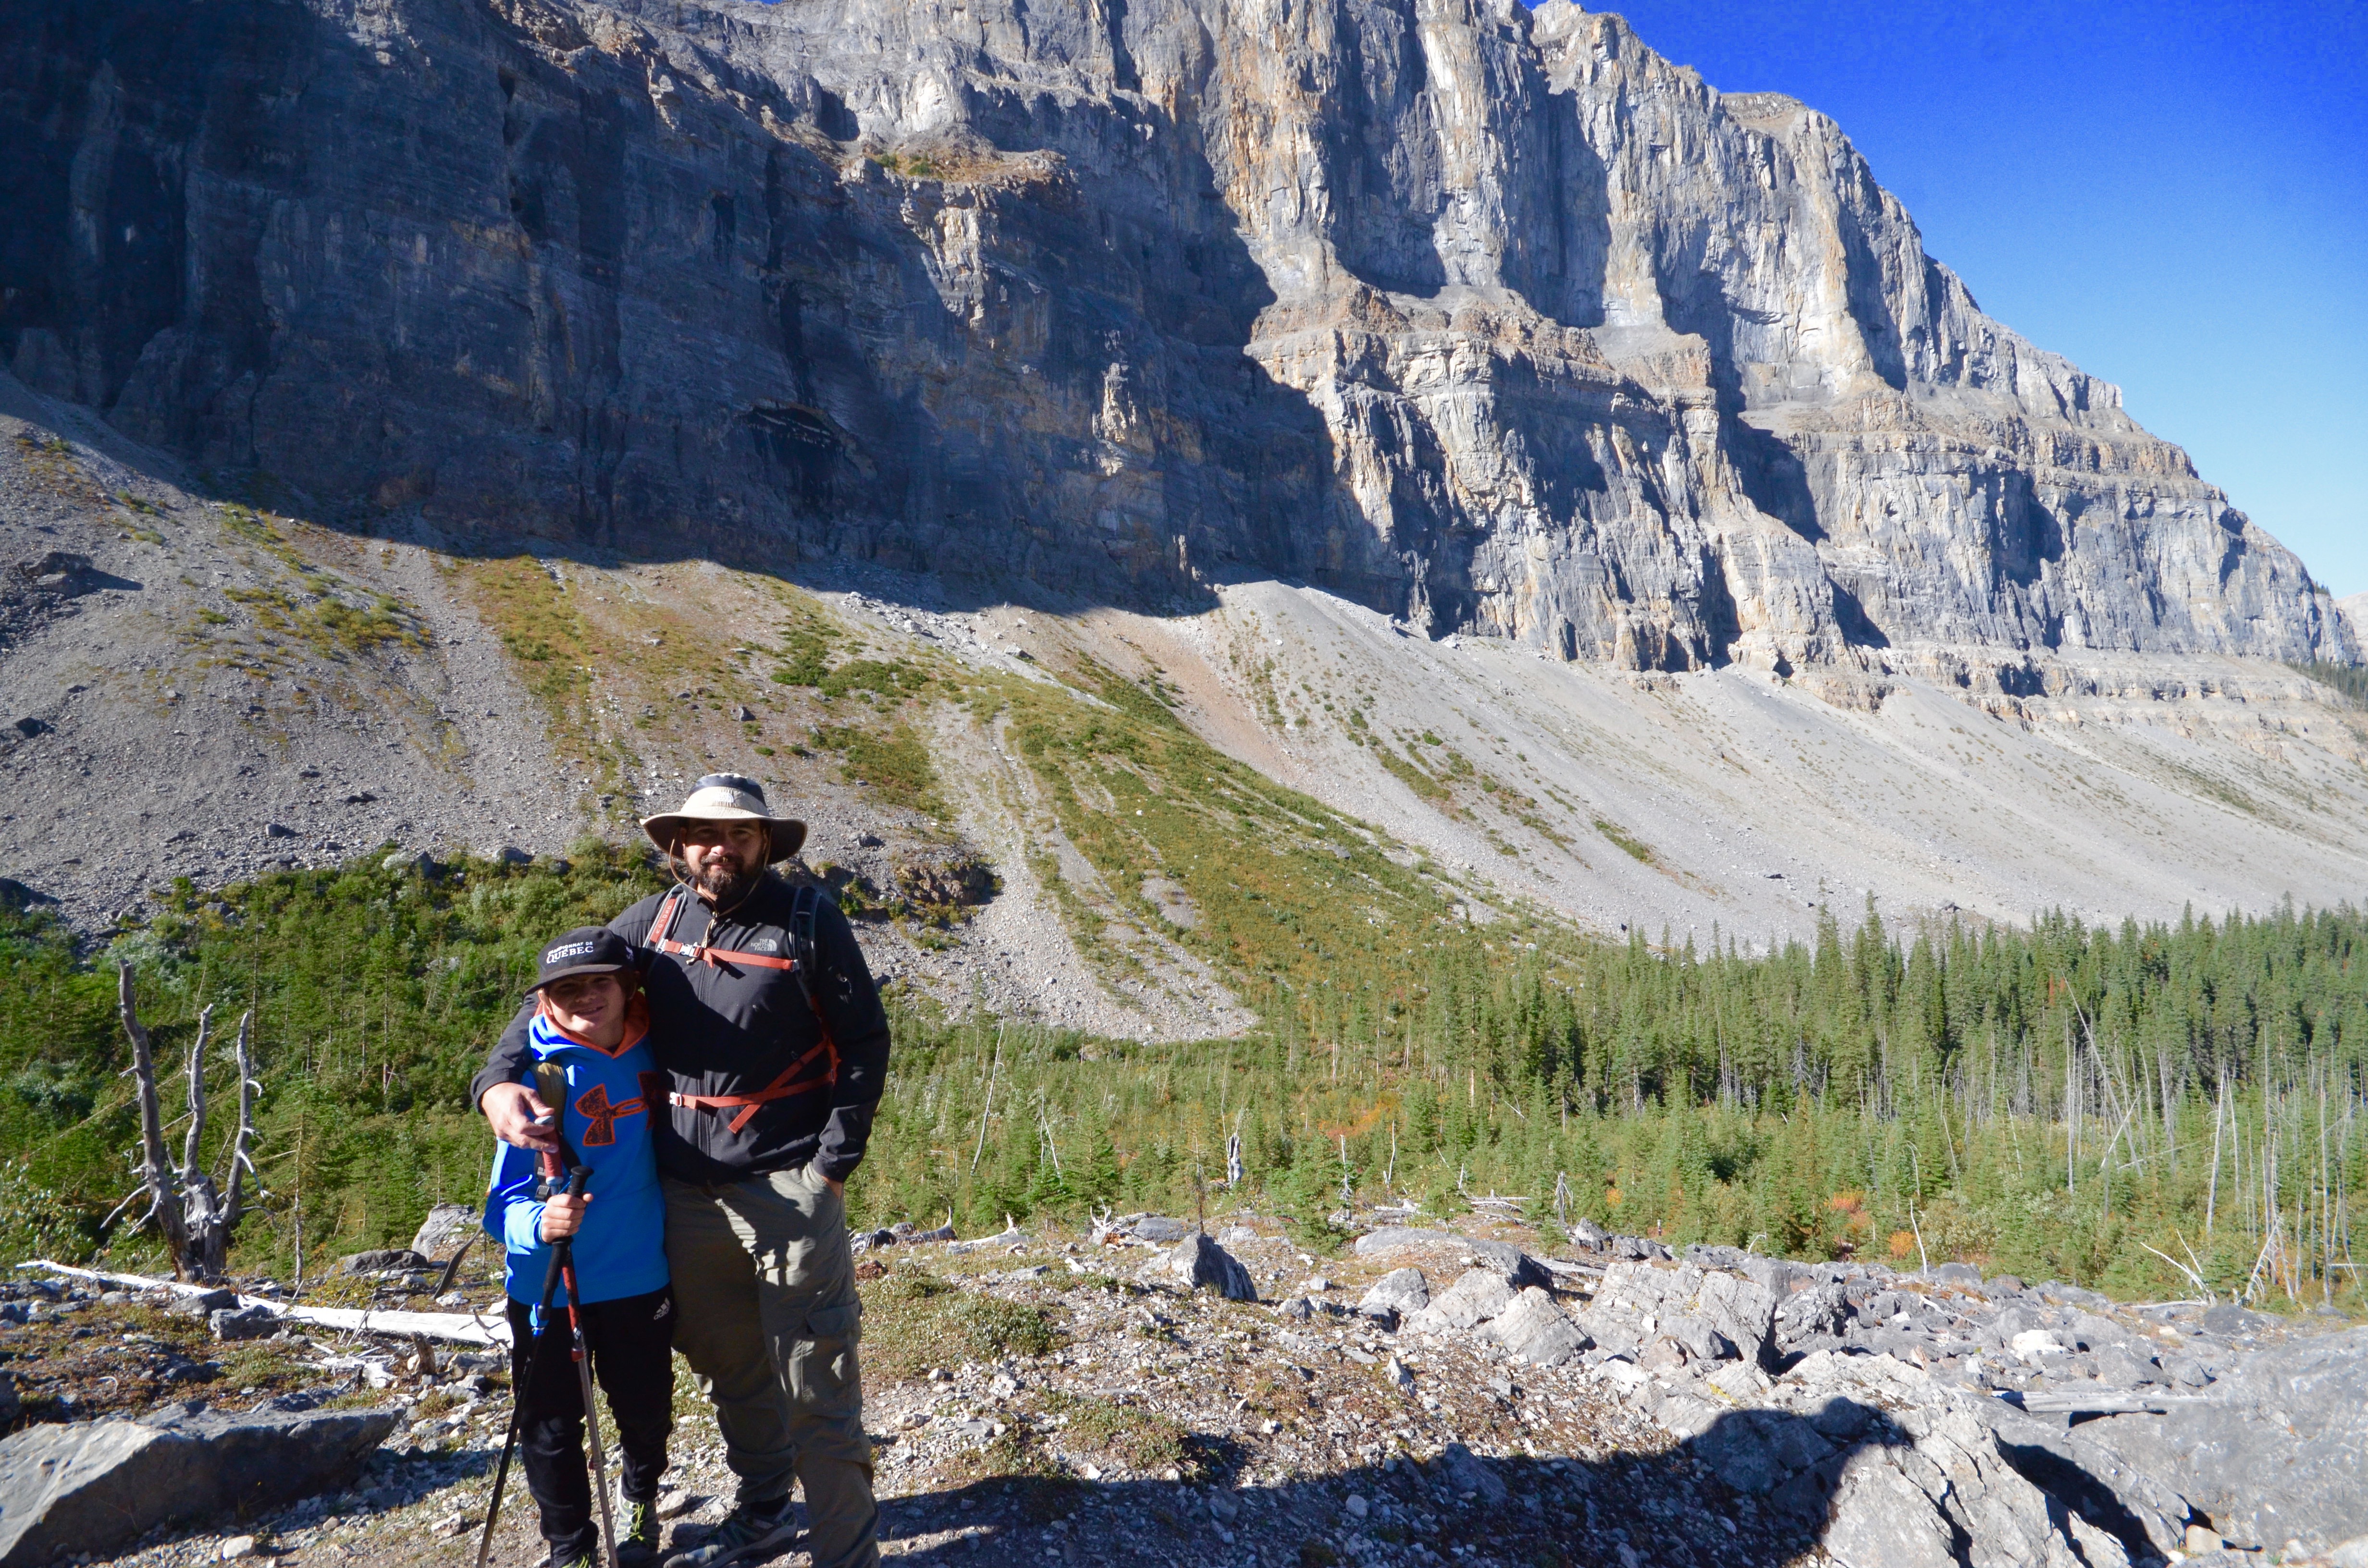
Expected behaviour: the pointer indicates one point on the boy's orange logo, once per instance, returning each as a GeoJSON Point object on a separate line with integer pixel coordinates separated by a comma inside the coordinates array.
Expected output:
{"type": "Point", "coordinates": [594, 1106]}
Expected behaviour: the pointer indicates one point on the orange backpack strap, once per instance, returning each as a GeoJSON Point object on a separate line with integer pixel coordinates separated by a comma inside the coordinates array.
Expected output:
{"type": "Point", "coordinates": [661, 938]}
{"type": "Point", "coordinates": [788, 1083]}
{"type": "Point", "coordinates": [780, 1088]}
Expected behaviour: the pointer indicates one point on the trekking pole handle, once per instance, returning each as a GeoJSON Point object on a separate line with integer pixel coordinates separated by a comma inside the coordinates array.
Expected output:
{"type": "Point", "coordinates": [578, 1177]}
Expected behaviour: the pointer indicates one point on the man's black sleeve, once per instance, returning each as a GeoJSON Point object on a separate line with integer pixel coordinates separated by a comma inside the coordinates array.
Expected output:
{"type": "Point", "coordinates": [505, 1062]}
{"type": "Point", "coordinates": [859, 1027]}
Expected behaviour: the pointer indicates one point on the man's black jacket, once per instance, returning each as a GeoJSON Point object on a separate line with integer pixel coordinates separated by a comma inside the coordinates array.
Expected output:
{"type": "Point", "coordinates": [733, 1028]}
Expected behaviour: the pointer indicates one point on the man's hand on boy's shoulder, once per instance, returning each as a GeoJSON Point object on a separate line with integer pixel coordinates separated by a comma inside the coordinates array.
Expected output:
{"type": "Point", "coordinates": [519, 1117]}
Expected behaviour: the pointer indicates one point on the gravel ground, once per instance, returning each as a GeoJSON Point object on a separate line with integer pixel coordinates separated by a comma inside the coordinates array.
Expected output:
{"type": "Point", "coordinates": [145, 741]}
{"type": "Point", "coordinates": [1173, 1428]}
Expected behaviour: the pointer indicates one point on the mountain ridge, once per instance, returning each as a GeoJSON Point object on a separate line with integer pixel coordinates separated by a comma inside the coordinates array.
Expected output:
{"type": "Point", "coordinates": [1491, 319]}
{"type": "Point", "coordinates": [478, 521]}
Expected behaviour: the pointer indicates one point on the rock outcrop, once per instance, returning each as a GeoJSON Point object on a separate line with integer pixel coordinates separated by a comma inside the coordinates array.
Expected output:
{"type": "Point", "coordinates": [2274, 1456]}
{"type": "Point", "coordinates": [1921, 1419]}
{"type": "Point", "coordinates": [1491, 317]}
{"type": "Point", "coordinates": [94, 1485]}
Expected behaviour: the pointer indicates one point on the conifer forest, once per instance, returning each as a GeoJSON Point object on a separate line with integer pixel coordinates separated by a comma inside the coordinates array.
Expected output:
{"type": "Point", "coordinates": [2158, 1110]}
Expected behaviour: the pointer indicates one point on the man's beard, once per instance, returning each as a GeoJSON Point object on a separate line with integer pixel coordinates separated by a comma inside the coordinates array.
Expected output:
{"type": "Point", "coordinates": [723, 881]}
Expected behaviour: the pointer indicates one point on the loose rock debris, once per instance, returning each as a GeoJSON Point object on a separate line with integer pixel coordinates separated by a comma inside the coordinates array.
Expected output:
{"type": "Point", "coordinates": [1047, 1395]}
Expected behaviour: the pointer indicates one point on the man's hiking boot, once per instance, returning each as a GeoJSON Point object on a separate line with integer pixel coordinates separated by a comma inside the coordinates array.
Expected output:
{"type": "Point", "coordinates": [750, 1533]}
{"type": "Point", "coordinates": [574, 1560]}
{"type": "Point", "coordinates": [637, 1545]}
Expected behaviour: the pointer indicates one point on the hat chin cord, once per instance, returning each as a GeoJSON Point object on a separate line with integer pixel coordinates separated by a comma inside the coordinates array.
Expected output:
{"type": "Point", "coordinates": [677, 863]}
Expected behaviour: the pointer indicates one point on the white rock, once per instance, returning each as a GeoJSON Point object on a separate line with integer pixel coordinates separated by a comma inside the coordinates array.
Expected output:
{"type": "Point", "coordinates": [1472, 1301]}
{"type": "Point", "coordinates": [1533, 1329]}
{"type": "Point", "coordinates": [2033, 1344]}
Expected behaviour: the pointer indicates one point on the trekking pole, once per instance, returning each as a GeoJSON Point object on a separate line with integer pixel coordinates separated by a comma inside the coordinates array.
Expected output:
{"type": "Point", "coordinates": [550, 1081]}
{"type": "Point", "coordinates": [518, 1395]}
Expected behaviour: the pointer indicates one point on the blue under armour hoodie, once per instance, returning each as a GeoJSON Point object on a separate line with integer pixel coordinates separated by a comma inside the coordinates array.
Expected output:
{"type": "Point", "coordinates": [621, 1247]}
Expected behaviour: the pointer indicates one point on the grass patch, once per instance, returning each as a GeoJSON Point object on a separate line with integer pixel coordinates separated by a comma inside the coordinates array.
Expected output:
{"type": "Point", "coordinates": [1627, 843]}
{"type": "Point", "coordinates": [542, 629]}
{"type": "Point", "coordinates": [1413, 777]}
{"type": "Point", "coordinates": [807, 638]}
{"type": "Point", "coordinates": [1124, 1434]}
{"type": "Point", "coordinates": [915, 1320]}
{"type": "Point", "coordinates": [894, 763]}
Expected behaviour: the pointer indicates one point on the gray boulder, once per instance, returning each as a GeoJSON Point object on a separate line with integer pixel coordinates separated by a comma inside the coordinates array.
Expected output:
{"type": "Point", "coordinates": [245, 1323]}
{"type": "Point", "coordinates": [384, 1260]}
{"type": "Point", "coordinates": [1951, 1449]}
{"type": "Point", "coordinates": [1753, 1451]}
{"type": "Point", "coordinates": [1702, 1342]}
{"type": "Point", "coordinates": [1199, 1263]}
{"type": "Point", "coordinates": [2274, 1455]}
{"type": "Point", "coordinates": [2230, 1321]}
{"type": "Point", "coordinates": [448, 1226]}
{"type": "Point", "coordinates": [1160, 1229]}
{"type": "Point", "coordinates": [2122, 1367]}
{"type": "Point", "coordinates": [1741, 1309]}
{"type": "Point", "coordinates": [93, 1486]}
{"type": "Point", "coordinates": [2090, 1477]}
{"type": "Point", "coordinates": [1779, 1277]}
{"type": "Point", "coordinates": [1399, 1293]}
{"type": "Point", "coordinates": [1465, 1474]}
{"type": "Point", "coordinates": [1881, 1519]}
{"type": "Point", "coordinates": [1807, 1318]}
{"type": "Point", "coordinates": [1473, 1299]}
{"type": "Point", "coordinates": [1586, 1233]}
{"type": "Point", "coordinates": [1535, 1330]}
{"type": "Point", "coordinates": [1518, 1268]}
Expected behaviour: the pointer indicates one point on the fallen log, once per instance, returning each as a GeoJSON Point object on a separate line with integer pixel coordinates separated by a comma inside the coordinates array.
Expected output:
{"type": "Point", "coordinates": [2109, 1402]}
{"type": "Point", "coordinates": [459, 1328]}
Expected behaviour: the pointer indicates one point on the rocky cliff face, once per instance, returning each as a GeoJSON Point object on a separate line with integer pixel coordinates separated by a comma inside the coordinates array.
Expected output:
{"type": "Point", "coordinates": [1489, 317]}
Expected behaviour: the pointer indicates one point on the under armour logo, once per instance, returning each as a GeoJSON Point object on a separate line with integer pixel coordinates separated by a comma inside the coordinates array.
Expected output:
{"type": "Point", "coordinates": [594, 1106]}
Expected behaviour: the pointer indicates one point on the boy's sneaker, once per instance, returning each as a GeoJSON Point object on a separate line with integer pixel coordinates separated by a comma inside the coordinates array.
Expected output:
{"type": "Point", "coordinates": [750, 1533]}
{"type": "Point", "coordinates": [574, 1560]}
{"type": "Point", "coordinates": [639, 1543]}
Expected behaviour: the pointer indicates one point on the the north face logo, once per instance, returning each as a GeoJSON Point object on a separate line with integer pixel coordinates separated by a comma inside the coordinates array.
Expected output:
{"type": "Point", "coordinates": [766, 945]}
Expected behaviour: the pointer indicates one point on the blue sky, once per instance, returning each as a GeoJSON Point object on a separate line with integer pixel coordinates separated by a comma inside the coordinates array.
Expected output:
{"type": "Point", "coordinates": [2173, 196]}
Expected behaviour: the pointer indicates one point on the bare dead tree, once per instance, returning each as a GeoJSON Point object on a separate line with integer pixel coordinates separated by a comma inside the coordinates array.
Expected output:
{"type": "Point", "coordinates": [192, 1213]}
{"type": "Point", "coordinates": [157, 1181]}
{"type": "Point", "coordinates": [212, 1214]}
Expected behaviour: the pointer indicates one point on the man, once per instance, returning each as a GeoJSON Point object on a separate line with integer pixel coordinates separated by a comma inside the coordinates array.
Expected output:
{"type": "Point", "coordinates": [770, 1031]}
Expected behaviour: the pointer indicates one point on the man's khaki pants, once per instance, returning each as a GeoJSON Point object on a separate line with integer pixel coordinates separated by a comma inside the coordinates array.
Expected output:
{"type": "Point", "coordinates": [766, 1315]}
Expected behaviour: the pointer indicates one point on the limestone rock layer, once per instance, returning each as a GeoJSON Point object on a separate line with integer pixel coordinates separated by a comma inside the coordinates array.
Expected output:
{"type": "Point", "coordinates": [1491, 318]}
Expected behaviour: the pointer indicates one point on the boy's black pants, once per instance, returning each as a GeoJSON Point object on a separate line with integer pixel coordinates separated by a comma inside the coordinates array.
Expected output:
{"type": "Point", "coordinates": [631, 1340]}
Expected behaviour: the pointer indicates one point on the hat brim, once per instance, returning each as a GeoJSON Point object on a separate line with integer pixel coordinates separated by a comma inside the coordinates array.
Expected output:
{"type": "Point", "coordinates": [787, 834]}
{"type": "Point", "coordinates": [574, 969]}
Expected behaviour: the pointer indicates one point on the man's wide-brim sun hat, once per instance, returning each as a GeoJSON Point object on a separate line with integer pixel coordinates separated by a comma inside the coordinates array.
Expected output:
{"type": "Point", "coordinates": [725, 796]}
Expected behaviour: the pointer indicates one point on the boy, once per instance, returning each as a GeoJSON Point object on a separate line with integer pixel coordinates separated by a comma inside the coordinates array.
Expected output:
{"type": "Point", "coordinates": [591, 1019]}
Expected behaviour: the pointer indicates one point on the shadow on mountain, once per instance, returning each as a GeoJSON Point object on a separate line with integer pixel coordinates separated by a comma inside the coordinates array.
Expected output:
{"type": "Point", "coordinates": [464, 308]}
